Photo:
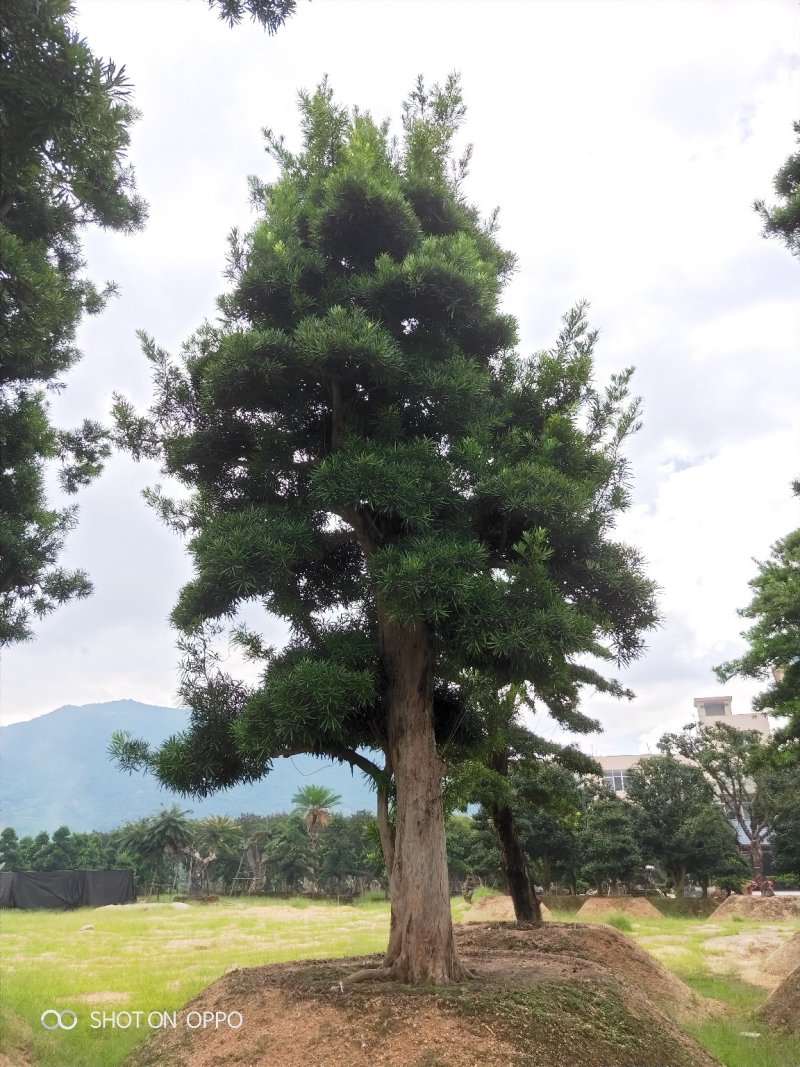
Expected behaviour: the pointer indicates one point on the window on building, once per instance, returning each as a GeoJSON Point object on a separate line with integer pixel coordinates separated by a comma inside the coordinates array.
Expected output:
{"type": "Point", "coordinates": [616, 780]}
{"type": "Point", "coordinates": [714, 708]}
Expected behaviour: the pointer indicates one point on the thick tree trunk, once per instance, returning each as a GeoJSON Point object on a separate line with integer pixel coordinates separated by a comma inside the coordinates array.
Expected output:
{"type": "Point", "coordinates": [527, 908]}
{"type": "Point", "coordinates": [757, 859]}
{"type": "Point", "coordinates": [421, 946]}
{"type": "Point", "coordinates": [197, 867]}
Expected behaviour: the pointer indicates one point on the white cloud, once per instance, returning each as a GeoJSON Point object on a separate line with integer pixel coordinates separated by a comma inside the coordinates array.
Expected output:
{"type": "Point", "coordinates": [624, 144]}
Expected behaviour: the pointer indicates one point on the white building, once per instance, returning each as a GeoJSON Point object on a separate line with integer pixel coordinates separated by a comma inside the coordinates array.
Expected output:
{"type": "Point", "coordinates": [710, 710]}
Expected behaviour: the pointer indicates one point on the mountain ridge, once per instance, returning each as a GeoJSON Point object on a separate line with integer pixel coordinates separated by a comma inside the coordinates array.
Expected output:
{"type": "Point", "coordinates": [56, 771]}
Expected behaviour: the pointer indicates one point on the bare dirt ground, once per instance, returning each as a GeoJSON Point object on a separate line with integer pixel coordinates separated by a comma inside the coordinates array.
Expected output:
{"type": "Point", "coordinates": [635, 906]}
{"type": "Point", "coordinates": [767, 909]}
{"type": "Point", "coordinates": [568, 995]}
{"type": "Point", "coordinates": [749, 955]}
{"type": "Point", "coordinates": [496, 909]}
{"type": "Point", "coordinates": [782, 1009]}
{"type": "Point", "coordinates": [784, 960]}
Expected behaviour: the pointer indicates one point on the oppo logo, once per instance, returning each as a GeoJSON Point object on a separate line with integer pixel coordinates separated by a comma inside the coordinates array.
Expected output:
{"type": "Point", "coordinates": [59, 1020]}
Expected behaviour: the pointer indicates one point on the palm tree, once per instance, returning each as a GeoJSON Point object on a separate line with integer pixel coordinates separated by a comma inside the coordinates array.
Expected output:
{"type": "Point", "coordinates": [221, 834]}
{"type": "Point", "coordinates": [171, 831]}
{"type": "Point", "coordinates": [314, 803]}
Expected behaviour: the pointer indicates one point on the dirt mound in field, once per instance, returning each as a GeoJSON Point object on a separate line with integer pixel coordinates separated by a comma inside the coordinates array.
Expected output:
{"type": "Point", "coordinates": [602, 945]}
{"type": "Point", "coordinates": [782, 1009]}
{"type": "Point", "coordinates": [784, 960]}
{"type": "Point", "coordinates": [638, 907]}
{"type": "Point", "coordinates": [496, 909]}
{"type": "Point", "coordinates": [767, 908]}
{"type": "Point", "coordinates": [529, 1003]}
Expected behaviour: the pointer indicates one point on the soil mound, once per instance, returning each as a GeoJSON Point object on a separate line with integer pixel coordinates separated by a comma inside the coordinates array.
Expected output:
{"type": "Point", "coordinates": [496, 909]}
{"type": "Point", "coordinates": [784, 960]}
{"type": "Point", "coordinates": [597, 944]}
{"type": "Point", "coordinates": [768, 908]}
{"type": "Point", "coordinates": [782, 1009]}
{"type": "Point", "coordinates": [639, 907]}
{"type": "Point", "coordinates": [527, 1005]}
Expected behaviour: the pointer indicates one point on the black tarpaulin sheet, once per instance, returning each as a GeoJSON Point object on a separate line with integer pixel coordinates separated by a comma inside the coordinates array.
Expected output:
{"type": "Point", "coordinates": [6, 883]}
{"type": "Point", "coordinates": [109, 887]}
{"type": "Point", "coordinates": [65, 889]}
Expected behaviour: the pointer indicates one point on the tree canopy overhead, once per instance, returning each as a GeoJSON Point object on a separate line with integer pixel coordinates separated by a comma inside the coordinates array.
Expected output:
{"type": "Point", "coordinates": [271, 14]}
{"type": "Point", "coordinates": [370, 459]}
{"type": "Point", "coordinates": [65, 118]}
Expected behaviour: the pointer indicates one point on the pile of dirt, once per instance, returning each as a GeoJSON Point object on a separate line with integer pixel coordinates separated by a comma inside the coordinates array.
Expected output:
{"type": "Point", "coordinates": [782, 1009]}
{"type": "Point", "coordinates": [784, 960]}
{"type": "Point", "coordinates": [638, 907]}
{"type": "Point", "coordinates": [602, 945]}
{"type": "Point", "coordinates": [496, 909]}
{"type": "Point", "coordinates": [767, 908]}
{"type": "Point", "coordinates": [529, 1003]}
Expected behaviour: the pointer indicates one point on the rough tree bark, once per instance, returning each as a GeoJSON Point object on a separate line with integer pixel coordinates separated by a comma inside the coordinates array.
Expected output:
{"type": "Point", "coordinates": [421, 946]}
{"type": "Point", "coordinates": [527, 908]}
{"type": "Point", "coordinates": [757, 858]}
{"type": "Point", "coordinates": [197, 866]}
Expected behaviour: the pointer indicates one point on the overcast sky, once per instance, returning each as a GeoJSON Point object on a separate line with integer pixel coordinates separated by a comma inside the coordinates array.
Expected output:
{"type": "Point", "coordinates": [624, 144]}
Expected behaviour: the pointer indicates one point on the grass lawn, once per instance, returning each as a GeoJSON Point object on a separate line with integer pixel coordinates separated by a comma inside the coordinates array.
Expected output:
{"type": "Point", "coordinates": [155, 959]}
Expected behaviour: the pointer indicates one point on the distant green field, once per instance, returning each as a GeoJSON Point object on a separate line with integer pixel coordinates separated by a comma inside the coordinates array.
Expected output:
{"type": "Point", "coordinates": [152, 959]}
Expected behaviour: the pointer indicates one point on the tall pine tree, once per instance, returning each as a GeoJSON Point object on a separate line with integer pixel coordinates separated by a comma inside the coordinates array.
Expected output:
{"type": "Point", "coordinates": [369, 459]}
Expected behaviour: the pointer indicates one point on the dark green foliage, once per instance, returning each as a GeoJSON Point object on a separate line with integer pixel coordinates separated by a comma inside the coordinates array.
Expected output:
{"type": "Point", "coordinates": [784, 796]}
{"type": "Point", "coordinates": [289, 854]}
{"type": "Point", "coordinates": [472, 849]}
{"type": "Point", "coordinates": [682, 828]}
{"type": "Point", "coordinates": [551, 843]}
{"type": "Point", "coordinates": [357, 428]}
{"type": "Point", "coordinates": [773, 653]}
{"type": "Point", "coordinates": [608, 844]}
{"type": "Point", "coordinates": [347, 857]}
{"type": "Point", "coordinates": [64, 851]}
{"type": "Point", "coordinates": [757, 796]}
{"type": "Point", "coordinates": [64, 116]}
{"type": "Point", "coordinates": [271, 14]}
{"type": "Point", "coordinates": [369, 459]}
{"type": "Point", "coordinates": [783, 219]}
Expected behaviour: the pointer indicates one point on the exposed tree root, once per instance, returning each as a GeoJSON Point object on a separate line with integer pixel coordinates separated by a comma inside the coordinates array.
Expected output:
{"type": "Point", "coordinates": [381, 973]}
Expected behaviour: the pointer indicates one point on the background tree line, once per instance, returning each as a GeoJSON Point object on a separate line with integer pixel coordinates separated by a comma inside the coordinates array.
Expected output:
{"type": "Point", "coordinates": [669, 831]}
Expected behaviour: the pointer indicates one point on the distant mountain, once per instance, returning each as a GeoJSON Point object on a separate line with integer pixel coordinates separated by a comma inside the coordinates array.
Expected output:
{"type": "Point", "coordinates": [55, 770]}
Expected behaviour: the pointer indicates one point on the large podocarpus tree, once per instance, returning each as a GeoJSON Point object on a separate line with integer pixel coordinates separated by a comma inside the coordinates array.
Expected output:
{"type": "Point", "coordinates": [371, 461]}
